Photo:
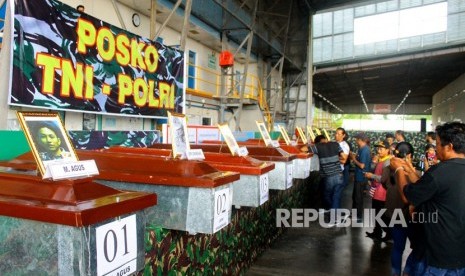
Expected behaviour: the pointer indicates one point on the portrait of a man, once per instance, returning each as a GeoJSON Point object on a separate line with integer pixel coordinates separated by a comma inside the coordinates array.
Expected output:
{"type": "Point", "coordinates": [49, 141]}
{"type": "Point", "coordinates": [47, 138]}
{"type": "Point", "coordinates": [178, 131]}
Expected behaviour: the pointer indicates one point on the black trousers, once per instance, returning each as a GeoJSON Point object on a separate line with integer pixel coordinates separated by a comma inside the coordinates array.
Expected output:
{"type": "Point", "coordinates": [377, 205]}
{"type": "Point", "coordinates": [357, 197]}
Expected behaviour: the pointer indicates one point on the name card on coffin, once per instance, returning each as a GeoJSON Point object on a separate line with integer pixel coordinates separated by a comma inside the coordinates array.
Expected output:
{"type": "Point", "coordinates": [195, 154]}
{"type": "Point", "coordinates": [242, 151]}
{"type": "Point", "coordinates": [275, 143]}
{"type": "Point", "coordinates": [71, 170]}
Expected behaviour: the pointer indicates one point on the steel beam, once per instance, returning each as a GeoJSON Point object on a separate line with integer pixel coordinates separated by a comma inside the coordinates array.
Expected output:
{"type": "Point", "coordinates": [256, 32]}
{"type": "Point", "coordinates": [168, 19]}
{"type": "Point", "coordinates": [118, 14]}
{"type": "Point", "coordinates": [381, 62]}
{"type": "Point", "coordinates": [185, 27]}
{"type": "Point", "coordinates": [309, 105]}
{"type": "Point", "coordinates": [153, 17]}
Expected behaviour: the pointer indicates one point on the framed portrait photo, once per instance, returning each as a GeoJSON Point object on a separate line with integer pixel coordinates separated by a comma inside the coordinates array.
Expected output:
{"type": "Point", "coordinates": [47, 138]}
{"type": "Point", "coordinates": [326, 134]}
{"type": "Point", "coordinates": [310, 133]}
{"type": "Point", "coordinates": [229, 138]}
{"type": "Point", "coordinates": [283, 132]}
{"type": "Point", "coordinates": [302, 135]}
{"type": "Point", "coordinates": [264, 132]}
{"type": "Point", "coordinates": [178, 130]}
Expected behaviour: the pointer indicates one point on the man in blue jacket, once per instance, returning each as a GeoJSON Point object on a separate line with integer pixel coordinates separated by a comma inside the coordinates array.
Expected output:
{"type": "Point", "coordinates": [362, 162]}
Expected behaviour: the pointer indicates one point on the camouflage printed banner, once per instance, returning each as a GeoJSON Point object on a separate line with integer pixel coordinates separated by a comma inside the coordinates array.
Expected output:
{"type": "Point", "coordinates": [2, 18]}
{"type": "Point", "coordinates": [66, 60]}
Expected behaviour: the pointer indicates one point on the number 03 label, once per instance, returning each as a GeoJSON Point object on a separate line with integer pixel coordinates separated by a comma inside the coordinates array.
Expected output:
{"type": "Point", "coordinates": [117, 247]}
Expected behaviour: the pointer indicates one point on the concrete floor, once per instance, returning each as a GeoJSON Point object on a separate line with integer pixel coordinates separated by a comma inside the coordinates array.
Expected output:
{"type": "Point", "coordinates": [326, 251]}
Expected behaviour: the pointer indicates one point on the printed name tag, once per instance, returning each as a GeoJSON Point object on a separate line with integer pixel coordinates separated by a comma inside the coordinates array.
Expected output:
{"type": "Point", "coordinates": [242, 151]}
{"type": "Point", "coordinates": [195, 154]}
{"type": "Point", "coordinates": [76, 169]}
{"type": "Point", "coordinates": [264, 188]}
{"type": "Point", "coordinates": [275, 144]}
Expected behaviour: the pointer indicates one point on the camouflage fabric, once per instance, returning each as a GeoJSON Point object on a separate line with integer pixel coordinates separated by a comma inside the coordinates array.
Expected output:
{"type": "Point", "coordinates": [228, 252]}
{"type": "Point", "coordinates": [92, 140]}
{"type": "Point", "coordinates": [56, 65]}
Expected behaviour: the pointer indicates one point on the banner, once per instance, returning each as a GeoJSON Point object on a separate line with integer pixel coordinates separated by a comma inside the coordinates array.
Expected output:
{"type": "Point", "coordinates": [66, 60]}
{"type": "Point", "coordinates": [382, 108]}
{"type": "Point", "coordinates": [2, 19]}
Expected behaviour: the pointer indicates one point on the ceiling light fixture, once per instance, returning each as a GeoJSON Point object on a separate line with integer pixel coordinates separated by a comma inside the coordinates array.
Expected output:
{"type": "Point", "coordinates": [327, 101]}
{"type": "Point", "coordinates": [363, 100]}
{"type": "Point", "coordinates": [403, 101]}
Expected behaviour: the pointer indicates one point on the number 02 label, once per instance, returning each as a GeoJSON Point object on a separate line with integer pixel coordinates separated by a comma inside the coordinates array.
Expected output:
{"type": "Point", "coordinates": [117, 247]}
{"type": "Point", "coordinates": [264, 188]}
{"type": "Point", "coordinates": [222, 208]}
{"type": "Point", "coordinates": [289, 175]}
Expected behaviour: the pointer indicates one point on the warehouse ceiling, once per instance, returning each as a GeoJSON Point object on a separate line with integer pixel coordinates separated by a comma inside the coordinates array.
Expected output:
{"type": "Point", "coordinates": [385, 80]}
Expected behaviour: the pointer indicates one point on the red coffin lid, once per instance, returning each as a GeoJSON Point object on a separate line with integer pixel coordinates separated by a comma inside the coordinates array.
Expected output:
{"type": "Point", "coordinates": [69, 202]}
{"type": "Point", "coordinates": [260, 153]}
{"type": "Point", "coordinates": [146, 169]}
{"type": "Point", "coordinates": [259, 142]}
{"type": "Point", "coordinates": [220, 161]}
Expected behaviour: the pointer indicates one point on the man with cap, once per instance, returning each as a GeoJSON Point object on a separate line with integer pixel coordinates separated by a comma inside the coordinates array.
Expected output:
{"type": "Point", "coordinates": [379, 192]}
{"type": "Point", "coordinates": [390, 138]}
{"type": "Point", "coordinates": [362, 162]}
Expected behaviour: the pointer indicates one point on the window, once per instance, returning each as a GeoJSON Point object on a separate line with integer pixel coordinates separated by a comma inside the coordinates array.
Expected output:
{"type": "Point", "coordinates": [206, 121]}
{"type": "Point", "coordinates": [401, 24]}
{"type": "Point", "coordinates": [191, 71]}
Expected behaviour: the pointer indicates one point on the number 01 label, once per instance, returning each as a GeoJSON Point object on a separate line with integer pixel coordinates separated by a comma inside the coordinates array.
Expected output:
{"type": "Point", "coordinates": [117, 247]}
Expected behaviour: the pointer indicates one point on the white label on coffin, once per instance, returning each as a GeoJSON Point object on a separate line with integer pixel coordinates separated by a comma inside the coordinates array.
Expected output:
{"type": "Point", "coordinates": [222, 207]}
{"type": "Point", "coordinates": [264, 188]}
{"type": "Point", "coordinates": [289, 175]}
{"type": "Point", "coordinates": [116, 244]}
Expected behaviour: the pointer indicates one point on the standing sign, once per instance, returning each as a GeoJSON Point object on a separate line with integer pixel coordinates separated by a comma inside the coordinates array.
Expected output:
{"type": "Point", "coordinates": [178, 127]}
{"type": "Point", "coordinates": [62, 59]}
{"type": "Point", "coordinates": [116, 244]}
{"type": "Point", "coordinates": [230, 140]}
{"type": "Point", "coordinates": [284, 135]}
{"type": "Point", "coordinates": [302, 135]}
{"type": "Point", "coordinates": [310, 133]}
{"type": "Point", "coordinates": [265, 135]}
{"type": "Point", "coordinates": [326, 134]}
{"type": "Point", "coordinates": [222, 207]}
{"type": "Point", "coordinates": [51, 147]}
{"type": "Point", "coordinates": [264, 188]}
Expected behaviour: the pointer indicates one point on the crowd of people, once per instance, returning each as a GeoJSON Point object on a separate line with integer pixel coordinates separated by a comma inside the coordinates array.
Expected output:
{"type": "Point", "coordinates": [429, 194]}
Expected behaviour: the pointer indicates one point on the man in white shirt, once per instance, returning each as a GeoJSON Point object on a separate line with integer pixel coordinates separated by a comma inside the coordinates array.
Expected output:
{"type": "Point", "coordinates": [341, 137]}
